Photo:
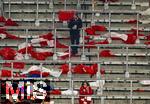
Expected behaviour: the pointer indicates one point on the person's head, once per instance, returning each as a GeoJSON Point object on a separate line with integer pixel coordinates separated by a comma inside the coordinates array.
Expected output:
{"type": "Point", "coordinates": [76, 15]}
{"type": "Point", "coordinates": [85, 84]}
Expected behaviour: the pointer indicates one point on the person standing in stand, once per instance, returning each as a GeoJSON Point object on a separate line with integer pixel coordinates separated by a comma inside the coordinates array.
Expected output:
{"type": "Point", "coordinates": [85, 91]}
{"type": "Point", "coordinates": [75, 24]}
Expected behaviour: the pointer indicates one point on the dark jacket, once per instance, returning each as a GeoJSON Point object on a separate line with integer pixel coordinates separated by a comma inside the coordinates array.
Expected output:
{"type": "Point", "coordinates": [71, 24]}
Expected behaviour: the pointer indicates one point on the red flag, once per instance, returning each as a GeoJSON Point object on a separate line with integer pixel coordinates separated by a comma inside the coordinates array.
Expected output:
{"type": "Point", "coordinates": [48, 36]}
{"type": "Point", "coordinates": [40, 55]}
{"type": "Point", "coordinates": [133, 30]}
{"type": "Point", "coordinates": [86, 37]}
{"type": "Point", "coordinates": [79, 69]}
{"type": "Point", "coordinates": [64, 68]}
{"type": "Point", "coordinates": [55, 92]}
{"type": "Point", "coordinates": [2, 30]}
{"type": "Point", "coordinates": [45, 74]}
{"type": "Point", "coordinates": [147, 37]}
{"type": "Point", "coordinates": [118, 36]}
{"type": "Point", "coordinates": [19, 56]}
{"type": "Point", "coordinates": [147, 43]}
{"type": "Point", "coordinates": [2, 19]}
{"type": "Point", "coordinates": [90, 70]}
{"type": "Point", "coordinates": [132, 21]}
{"type": "Point", "coordinates": [22, 48]}
{"type": "Point", "coordinates": [141, 35]}
{"type": "Point", "coordinates": [49, 43]}
{"type": "Point", "coordinates": [131, 39]}
{"type": "Point", "coordinates": [102, 71]}
{"type": "Point", "coordinates": [16, 75]}
{"type": "Point", "coordinates": [106, 53]}
{"type": "Point", "coordinates": [90, 31]}
{"type": "Point", "coordinates": [60, 45]}
{"type": "Point", "coordinates": [12, 36]}
{"type": "Point", "coordinates": [35, 72]}
{"type": "Point", "coordinates": [16, 65]}
{"type": "Point", "coordinates": [64, 15]}
{"type": "Point", "coordinates": [10, 22]}
{"type": "Point", "coordinates": [4, 34]}
{"type": "Point", "coordinates": [92, 43]}
{"type": "Point", "coordinates": [63, 55]}
{"type": "Point", "coordinates": [139, 90]}
{"type": "Point", "coordinates": [6, 73]}
{"type": "Point", "coordinates": [43, 43]}
{"type": "Point", "coordinates": [99, 28]}
{"type": "Point", "coordinates": [94, 67]}
{"type": "Point", "coordinates": [8, 53]}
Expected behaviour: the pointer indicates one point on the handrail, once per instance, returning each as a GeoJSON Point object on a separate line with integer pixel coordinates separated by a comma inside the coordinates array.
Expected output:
{"type": "Point", "coordinates": [87, 3]}
{"type": "Point", "coordinates": [107, 97]}
{"type": "Point", "coordinates": [75, 80]}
